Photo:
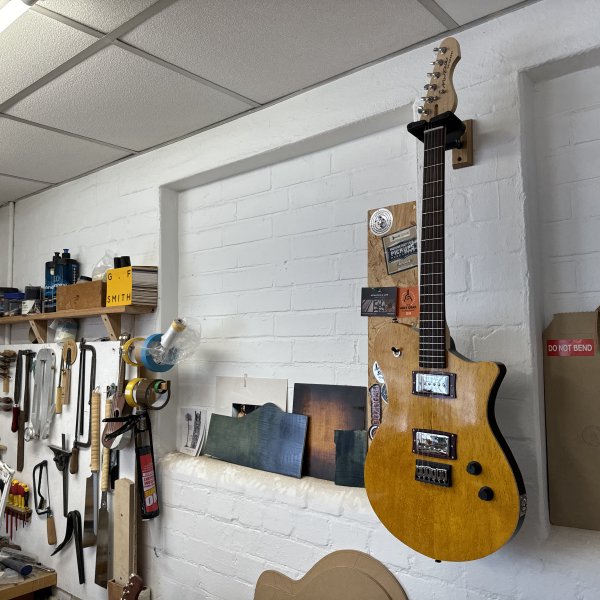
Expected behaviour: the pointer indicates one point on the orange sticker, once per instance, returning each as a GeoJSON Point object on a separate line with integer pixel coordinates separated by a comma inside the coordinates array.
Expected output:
{"type": "Point", "coordinates": [408, 302]}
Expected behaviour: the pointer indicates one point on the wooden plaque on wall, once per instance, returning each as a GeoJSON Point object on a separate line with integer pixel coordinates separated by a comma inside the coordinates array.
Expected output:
{"type": "Point", "coordinates": [382, 273]}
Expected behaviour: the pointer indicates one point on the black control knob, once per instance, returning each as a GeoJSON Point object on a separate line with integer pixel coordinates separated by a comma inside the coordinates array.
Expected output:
{"type": "Point", "coordinates": [486, 493]}
{"type": "Point", "coordinates": [474, 468]}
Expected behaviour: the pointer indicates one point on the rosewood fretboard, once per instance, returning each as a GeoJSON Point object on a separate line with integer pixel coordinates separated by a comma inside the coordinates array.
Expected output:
{"type": "Point", "coordinates": [432, 327]}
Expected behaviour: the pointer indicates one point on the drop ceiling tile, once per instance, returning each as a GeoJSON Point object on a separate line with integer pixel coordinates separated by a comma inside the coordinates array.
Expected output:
{"type": "Point", "coordinates": [265, 50]}
{"type": "Point", "coordinates": [118, 97]}
{"type": "Point", "coordinates": [103, 16]}
{"type": "Point", "coordinates": [12, 188]}
{"type": "Point", "coordinates": [33, 46]}
{"type": "Point", "coordinates": [465, 11]}
{"type": "Point", "coordinates": [36, 153]}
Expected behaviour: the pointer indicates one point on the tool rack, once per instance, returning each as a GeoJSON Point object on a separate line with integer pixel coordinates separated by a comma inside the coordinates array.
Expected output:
{"type": "Point", "coordinates": [111, 318]}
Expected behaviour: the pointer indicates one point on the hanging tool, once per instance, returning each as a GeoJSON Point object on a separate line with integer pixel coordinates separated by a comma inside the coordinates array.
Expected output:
{"type": "Point", "coordinates": [42, 408]}
{"type": "Point", "coordinates": [7, 357]}
{"type": "Point", "coordinates": [74, 530]}
{"type": "Point", "coordinates": [69, 354]}
{"type": "Point", "coordinates": [101, 577]}
{"type": "Point", "coordinates": [21, 409]}
{"type": "Point", "coordinates": [6, 404]}
{"type": "Point", "coordinates": [42, 505]}
{"type": "Point", "coordinates": [17, 507]}
{"type": "Point", "coordinates": [62, 457]}
{"type": "Point", "coordinates": [119, 406]}
{"type": "Point", "coordinates": [82, 392]}
{"type": "Point", "coordinates": [90, 518]}
{"type": "Point", "coordinates": [144, 453]}
{"type": "Point", "coordinates": [60, 392]}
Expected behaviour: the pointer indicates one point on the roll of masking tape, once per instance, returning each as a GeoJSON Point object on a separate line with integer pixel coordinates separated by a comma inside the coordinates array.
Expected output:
{"type": "Point", "coordinates": [127, 347]}
{"type": "Point", "coordinates": [130, 391]}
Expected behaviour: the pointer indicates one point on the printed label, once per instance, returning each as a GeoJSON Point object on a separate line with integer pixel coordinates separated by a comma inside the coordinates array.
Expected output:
{"type": "Point", "coordinates": [574, 347]}
{"type": "Point", "coordinates": [148, 482]}
{"type": "Point", "coordinates": [408, 302]}
{"type": "Point", "coordinates": [118, 286]}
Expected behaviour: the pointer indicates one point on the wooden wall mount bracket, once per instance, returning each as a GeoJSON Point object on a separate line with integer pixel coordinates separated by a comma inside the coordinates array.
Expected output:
{"type": "Point", "coordinates": [463, 156]}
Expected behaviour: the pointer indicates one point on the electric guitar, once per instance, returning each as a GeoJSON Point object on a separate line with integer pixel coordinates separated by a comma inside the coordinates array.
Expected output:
{"type": "Point", "coordinates": [439, 474]}
{"type": "Point", "coordinates": [133, 588]}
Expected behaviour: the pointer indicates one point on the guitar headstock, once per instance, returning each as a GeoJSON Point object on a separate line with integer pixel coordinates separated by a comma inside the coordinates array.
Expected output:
{"type": "Point", "coordinates": [133, 588]}
{"type": "Point", "coordinates": [440, 95]}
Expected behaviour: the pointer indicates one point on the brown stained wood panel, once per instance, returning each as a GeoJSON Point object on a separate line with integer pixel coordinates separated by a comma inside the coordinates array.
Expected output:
{"type": "Point", "coordinates": [328, 408]}
{"type": "Point", "coordinates": [445, 523]}
{"type": "Point", "coordinates": [404, 215]}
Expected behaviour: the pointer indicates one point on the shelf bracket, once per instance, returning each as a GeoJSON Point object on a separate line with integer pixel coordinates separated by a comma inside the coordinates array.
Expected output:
{"type": "Point", "coordinates": [112, 324]}
{"type": "Point", "coordinates": [40, 330]}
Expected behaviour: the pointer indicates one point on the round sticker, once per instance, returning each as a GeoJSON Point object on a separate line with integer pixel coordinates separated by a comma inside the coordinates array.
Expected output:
{"type": "Point", "coordinates": [381, 221]}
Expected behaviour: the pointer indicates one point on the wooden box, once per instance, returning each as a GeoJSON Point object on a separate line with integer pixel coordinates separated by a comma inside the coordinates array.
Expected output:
{"type": "Point", "coordinates": [89, 294]}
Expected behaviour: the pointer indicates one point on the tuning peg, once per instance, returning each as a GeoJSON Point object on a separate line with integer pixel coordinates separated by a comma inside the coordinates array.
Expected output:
{"type": "Point", "coordinates": [435, 74]}
{"type": "Point", "coordinates": [422, 110]}
{"type": "Point", "coordinates": [430, 86]}
{"type": "Point", "coordinates": [441, 49]}
{"type": "Point", "coordinates": [429, 98]}
{"type": "Point", "coordinates": [439, 61]}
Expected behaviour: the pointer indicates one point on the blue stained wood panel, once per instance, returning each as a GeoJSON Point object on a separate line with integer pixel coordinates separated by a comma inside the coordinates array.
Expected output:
{"type": "Point", "coordinates": [268, 439]}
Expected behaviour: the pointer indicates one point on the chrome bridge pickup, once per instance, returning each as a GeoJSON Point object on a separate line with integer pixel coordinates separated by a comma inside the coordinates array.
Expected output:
{"type": "Point", "coordinates": [434, 384]}
{"type": "Point", "coordinates": [434, 473]}
{"type": "Point", "coordinates": [439, 444]}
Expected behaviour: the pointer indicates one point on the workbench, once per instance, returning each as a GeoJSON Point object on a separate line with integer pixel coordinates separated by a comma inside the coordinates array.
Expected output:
{"type": "Point", "coordinates": [24, 590]}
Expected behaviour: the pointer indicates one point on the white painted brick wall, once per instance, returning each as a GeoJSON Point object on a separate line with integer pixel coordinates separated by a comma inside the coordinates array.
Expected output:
{"type": "Point", "coordinates": [223, 525]}
{"type": "Point", "coordinates": [568, 142]}
{"type": "Point", "coordinates": [296, 259]}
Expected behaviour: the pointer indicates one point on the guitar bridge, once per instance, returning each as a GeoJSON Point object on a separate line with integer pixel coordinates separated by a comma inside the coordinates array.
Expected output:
{"type": "Point", "coordinates": [432, 472]}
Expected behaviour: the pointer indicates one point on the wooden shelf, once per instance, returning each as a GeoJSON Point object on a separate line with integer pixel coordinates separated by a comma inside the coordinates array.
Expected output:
{"type": "Point", "coordinates": [111, 318]}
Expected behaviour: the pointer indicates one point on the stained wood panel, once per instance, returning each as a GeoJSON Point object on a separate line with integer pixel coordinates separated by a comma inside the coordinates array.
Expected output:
{"type": "Point", "coordinates": [268, 439]}
{"type": "Point", "coordinates": [328, 407]}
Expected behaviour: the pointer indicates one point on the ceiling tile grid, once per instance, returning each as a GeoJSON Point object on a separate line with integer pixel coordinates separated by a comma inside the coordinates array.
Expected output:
{"type": "Point", "coordinates": [34, 153]}
{"type": "Point", "coordinates": [86, 83]}
{"type": "Point", "coordinates": [118, 97]}
{"type": "Point", "coordinates": [12, 188]}
{"type": "Point", "coordinates": [268, 49]}
{"type": "Point", "coordinates": [32, 47]}
{"type": "Point", "coordinates": [103, 16]}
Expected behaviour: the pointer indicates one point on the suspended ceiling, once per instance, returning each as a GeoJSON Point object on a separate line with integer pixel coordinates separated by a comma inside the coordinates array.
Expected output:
{"type": "Point", "coordinates": [85, 83]}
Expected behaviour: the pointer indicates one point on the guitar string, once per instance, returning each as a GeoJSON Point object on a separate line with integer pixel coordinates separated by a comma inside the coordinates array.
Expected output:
{"type": "Point", "coordinates": [432, 346]}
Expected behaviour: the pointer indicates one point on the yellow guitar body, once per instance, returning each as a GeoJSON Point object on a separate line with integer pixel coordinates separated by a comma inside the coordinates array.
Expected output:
{"type": "Point", "coordinates": [449, 523]}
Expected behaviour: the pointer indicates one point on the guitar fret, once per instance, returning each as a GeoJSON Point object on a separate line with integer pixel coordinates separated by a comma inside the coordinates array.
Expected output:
{"type": "Point", "coordinates": [432, 336]}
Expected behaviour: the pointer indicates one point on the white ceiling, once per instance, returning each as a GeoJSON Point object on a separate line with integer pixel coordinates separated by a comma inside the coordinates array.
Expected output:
{"type": "Point", "coordinates": [85, 83]}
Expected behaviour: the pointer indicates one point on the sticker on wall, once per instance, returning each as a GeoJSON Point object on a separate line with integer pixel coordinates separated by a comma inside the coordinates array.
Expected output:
{"type": "Point", "coordinates": [408, 301]}
{"type": "Point", "coordinates": [378, 373]}
{"type": "Point", "coordinates": [381, 221]}
{"type": "Point", "coordinates": [400, 250]}
{"type": "Point", "coordinates": [375, 396]}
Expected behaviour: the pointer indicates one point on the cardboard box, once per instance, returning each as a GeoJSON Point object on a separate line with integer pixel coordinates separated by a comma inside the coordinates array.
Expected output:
{"type": "Point", "coordinates": [571, 391]}
{"type": "Point", "coordinates": [88, 294]}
